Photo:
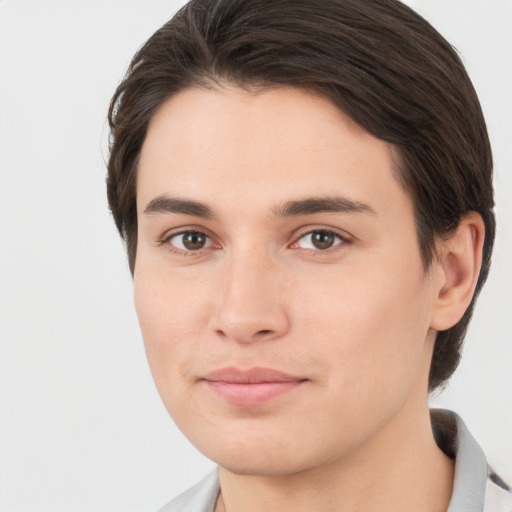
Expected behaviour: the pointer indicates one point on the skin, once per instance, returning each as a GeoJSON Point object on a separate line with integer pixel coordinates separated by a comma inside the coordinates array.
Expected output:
{"type": "Point", "coordinates": [356, 322]}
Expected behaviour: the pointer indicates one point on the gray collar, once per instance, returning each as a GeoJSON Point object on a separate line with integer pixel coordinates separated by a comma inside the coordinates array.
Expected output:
{"type": "Point", "coordinates": [470, 478]}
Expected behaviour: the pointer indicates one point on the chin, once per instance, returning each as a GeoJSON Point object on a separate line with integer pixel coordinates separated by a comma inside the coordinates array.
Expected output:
{"type": "Point", "coordinates": [261, 466]}
{"type": "Point", "coordinates": [270, 454]}
{"type": "Point", "coordinates": [245, 449]}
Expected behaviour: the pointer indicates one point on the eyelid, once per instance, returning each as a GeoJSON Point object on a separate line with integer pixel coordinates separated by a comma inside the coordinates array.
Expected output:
{"type": "Point", "coordinates": [342, 235]}
{"type": "Point", "coordinates": [165, 239]}
{"type": "Point", "coordinates": [179, 230]}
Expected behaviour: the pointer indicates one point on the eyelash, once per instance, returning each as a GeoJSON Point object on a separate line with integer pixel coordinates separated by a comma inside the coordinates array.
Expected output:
{"type": "Point", "coordinates": [166, 240]}
{"type": "Point", "coordinates": [341, 240]}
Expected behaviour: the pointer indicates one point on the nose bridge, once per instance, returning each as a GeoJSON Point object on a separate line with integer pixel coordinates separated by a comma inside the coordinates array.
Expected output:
{"type": "Point", "coordinates": [251, 304]}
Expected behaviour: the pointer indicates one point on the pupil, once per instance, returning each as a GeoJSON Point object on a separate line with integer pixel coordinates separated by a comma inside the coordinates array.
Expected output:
{"type": "Point", "coordinates": [323, 240]}
{"type": "Point", "coordinates": [194, 241]}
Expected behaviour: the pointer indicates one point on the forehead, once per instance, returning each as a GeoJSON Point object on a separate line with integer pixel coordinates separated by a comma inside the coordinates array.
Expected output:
{"type": "Point", "coordinates": [232, 146]}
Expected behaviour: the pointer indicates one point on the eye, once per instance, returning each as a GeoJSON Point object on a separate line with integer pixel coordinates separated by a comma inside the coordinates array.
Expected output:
{"type": "Point", "coordinates": [319, 240]}
{"type": "Point", "coordinates": [189, 241]}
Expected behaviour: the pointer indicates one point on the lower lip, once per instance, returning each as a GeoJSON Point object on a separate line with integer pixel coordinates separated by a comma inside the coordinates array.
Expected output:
{"type": "Point", "coordinates": [252, 394]}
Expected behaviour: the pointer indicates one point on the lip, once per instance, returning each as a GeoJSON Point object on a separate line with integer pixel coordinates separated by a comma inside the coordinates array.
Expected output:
{"type": "Point", "coordinates": [251, 387]}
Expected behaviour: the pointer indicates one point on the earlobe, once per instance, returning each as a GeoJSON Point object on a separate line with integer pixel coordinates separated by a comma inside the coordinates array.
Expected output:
{"type": "Point", "coordinates": [459, 262]}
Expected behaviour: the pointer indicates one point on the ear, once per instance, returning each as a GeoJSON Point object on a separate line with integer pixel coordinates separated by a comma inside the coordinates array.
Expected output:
{"type": "Point", "coordinates": [458, 267]}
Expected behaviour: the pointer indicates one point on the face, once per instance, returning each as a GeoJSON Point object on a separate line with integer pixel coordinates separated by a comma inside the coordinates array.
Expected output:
{"type": "Point", "coordinates": [279, 286]}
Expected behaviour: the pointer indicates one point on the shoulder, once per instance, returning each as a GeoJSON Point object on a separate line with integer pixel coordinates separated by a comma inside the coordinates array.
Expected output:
{"type": "Point", "coordinates": [200, 498]}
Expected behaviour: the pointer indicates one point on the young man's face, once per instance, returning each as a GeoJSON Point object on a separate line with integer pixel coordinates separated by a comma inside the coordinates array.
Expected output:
{"type": "Point", "coordinates": [278, 281]}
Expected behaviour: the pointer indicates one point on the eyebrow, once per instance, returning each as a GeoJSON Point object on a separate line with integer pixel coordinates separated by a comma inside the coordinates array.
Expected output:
{"type": "Point", "coordinates": [163, 204]}
{"type": "Point", "coordinates": [309, 206]}
{"type": "Point", "coordinates": [314, 205]}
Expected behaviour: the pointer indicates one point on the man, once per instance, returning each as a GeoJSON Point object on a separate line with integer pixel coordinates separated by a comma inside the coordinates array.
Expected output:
{"type": "Point", "coordinates": [305, 191]}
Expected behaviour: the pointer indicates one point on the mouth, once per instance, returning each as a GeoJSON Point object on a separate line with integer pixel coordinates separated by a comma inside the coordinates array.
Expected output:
{"type": "Point", "coordinates": [251, 387]}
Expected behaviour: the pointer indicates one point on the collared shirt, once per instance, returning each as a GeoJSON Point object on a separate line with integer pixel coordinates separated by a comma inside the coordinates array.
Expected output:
{"type": "Point", "coordinates": [476, 487]}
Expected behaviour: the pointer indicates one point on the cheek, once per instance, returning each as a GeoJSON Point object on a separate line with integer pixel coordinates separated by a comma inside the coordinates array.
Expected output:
{"type": "Point", "coordinates": [172, 316]}
{"type": "Point", "coordinates": [369, 326]}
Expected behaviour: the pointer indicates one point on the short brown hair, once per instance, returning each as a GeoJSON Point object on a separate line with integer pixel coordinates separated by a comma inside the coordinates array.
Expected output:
{"type": "Point", "coordinates": [377, 60]}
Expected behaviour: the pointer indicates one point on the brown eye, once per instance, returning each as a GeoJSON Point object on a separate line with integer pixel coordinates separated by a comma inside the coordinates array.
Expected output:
{"type": "Point", "coordinates": [319, 240]}
{"type": "Point", "coordinates": [190, 241]}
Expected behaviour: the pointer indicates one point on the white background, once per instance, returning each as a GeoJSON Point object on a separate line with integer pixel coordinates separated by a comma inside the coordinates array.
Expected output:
{"type": "Point", "coordinates": [82, 427]}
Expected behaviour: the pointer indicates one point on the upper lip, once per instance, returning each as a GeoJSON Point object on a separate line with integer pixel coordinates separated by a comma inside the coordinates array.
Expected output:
{"type": "Point", "coordinates": [256, 375]}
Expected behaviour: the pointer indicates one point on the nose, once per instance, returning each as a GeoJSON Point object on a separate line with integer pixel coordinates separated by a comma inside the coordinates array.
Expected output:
{"type": "Point", "coordinates": [251, 301]}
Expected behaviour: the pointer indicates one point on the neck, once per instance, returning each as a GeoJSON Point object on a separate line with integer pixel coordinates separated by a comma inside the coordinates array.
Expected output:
{"type": "Point", "coordinates": [400, 469]}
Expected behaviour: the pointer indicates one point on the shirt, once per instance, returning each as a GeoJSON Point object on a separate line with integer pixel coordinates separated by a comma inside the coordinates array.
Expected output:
{"type": "Point", "coordinates": [476, 487]}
